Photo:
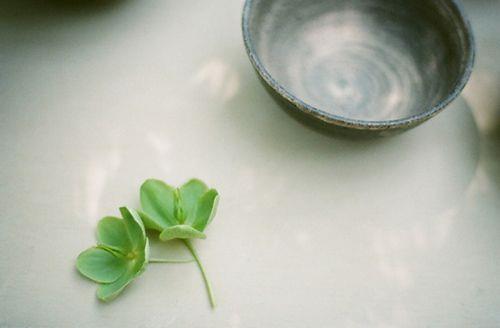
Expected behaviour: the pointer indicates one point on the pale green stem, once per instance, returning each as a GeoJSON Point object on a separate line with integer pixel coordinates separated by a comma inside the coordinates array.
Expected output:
{"type": "Point", "coordinates": [211, 297]}
{"type": "Point", "coordinates": [169, 261]}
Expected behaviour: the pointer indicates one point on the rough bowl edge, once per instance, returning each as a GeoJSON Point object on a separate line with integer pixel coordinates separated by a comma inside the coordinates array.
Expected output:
{"type": "Point", "coordinates": [332, 119]}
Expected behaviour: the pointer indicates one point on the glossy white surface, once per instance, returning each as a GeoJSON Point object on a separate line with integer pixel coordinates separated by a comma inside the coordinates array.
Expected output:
{"type": "Point", "coordinates": [311, 231]}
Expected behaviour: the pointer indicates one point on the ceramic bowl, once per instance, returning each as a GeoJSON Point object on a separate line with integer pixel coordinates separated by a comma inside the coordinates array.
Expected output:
{"type": "Point", "coordinates": [362, 66]}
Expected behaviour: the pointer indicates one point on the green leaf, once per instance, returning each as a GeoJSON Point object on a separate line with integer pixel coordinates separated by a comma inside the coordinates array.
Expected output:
{"type": "Point", "coordinates": [149, 222]}
{"type": "Point", "coordinates": [100, 265]}
{"type": "Point", "coordinates": [111, 231]}
{"type": "Point", "coordinates": [190, 193]}
{"type": "Point", "coordinates": [180, 213]}
{"type": "Point", "coordinates": [157, 201]}
{"type": "Point", "coordinates": [113, 250]}
{"type": "Point", "coordinates": [135, 267]}
{"type": "Point", "coordinates": [134, 227]}
{"type": "Point", "coordinates": [108, 292]}
{"type": "Point", "coordinates": [181, 231]}
{"type": "Point", "coordinates": [205, 209]}
{"type": "Point", "coordinates": [121, 256]}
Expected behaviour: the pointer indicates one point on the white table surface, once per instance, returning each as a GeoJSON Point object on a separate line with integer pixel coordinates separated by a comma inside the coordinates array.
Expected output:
{"type": "Point", "coordinates": [311, 231]}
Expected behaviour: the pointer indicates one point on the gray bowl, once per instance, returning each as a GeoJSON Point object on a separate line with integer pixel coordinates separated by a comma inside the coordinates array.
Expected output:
{"type": "Point", "coordinates": [361, 66]}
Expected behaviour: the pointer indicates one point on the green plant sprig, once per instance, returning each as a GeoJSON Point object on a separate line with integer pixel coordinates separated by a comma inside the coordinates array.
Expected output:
{"type": "Point", "coordinates": [121, 255]}
{"type": "Point", "coordinates": [180, 213]}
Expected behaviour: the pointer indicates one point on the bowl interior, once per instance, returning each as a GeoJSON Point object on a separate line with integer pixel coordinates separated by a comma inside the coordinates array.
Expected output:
{"type": "Point", "coordinates": [367, 60]}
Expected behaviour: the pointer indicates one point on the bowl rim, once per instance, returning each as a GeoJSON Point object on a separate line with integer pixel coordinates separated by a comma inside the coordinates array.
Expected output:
{"type": "Point", "coordinates": [329, 118]}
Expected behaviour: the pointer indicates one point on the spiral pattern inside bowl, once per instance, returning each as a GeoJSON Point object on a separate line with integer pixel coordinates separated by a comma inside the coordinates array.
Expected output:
{"type": "Point", "coordinates": [365, 60]}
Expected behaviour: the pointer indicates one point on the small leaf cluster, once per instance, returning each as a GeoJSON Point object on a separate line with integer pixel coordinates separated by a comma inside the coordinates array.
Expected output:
{"type": "Point", "coordinates": [181, 213]}
{"type": "Point", "coordinates": [120, 256]}
{"type": "Point", "coordinates": [122, 250]}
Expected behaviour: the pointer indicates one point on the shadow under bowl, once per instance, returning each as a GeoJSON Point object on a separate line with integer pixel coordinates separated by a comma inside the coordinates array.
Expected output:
{"type": "Point", "coordinates": [360, 66]}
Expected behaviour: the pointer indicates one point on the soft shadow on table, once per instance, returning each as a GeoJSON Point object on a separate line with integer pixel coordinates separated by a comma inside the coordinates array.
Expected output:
{"type": "Point", "coordinates": [28, 25]}
{"type": "Point", "coordinates": [481, 92]}
{"type": "Point", "coordinates": [415, 172]}
{"type": "Point", "coordinates": [412, 163]}
{"type": "Point", "coordinates": [487, 113]}
{"type": "Point", "coordinates": [28, 10]}
{"type": "Point", "coordinates": [490, 147]}
{"type": "Point", "coordinates": [398, 199]}
{"type": "Point", "coordinates": [495, 152]}
{"type": "Point", "coordinates": [254, 113]}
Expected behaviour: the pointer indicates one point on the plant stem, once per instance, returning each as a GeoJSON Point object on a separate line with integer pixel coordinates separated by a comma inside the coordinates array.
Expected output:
{"type": "Point", "coordinates": [152, 260]}
{"type": "Point", "coordinates": [211, 297]}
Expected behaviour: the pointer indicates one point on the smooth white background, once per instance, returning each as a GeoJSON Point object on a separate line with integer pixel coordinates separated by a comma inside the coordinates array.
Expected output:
{"type": "Point", "coordinates": [311, 231]}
